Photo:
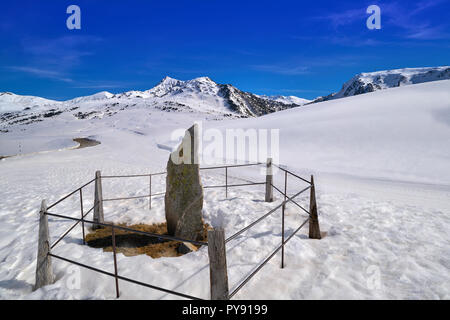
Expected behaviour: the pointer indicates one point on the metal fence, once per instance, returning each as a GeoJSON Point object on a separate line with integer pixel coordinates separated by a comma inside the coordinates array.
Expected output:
{"type": "Point", "coordinates": [113, 227]}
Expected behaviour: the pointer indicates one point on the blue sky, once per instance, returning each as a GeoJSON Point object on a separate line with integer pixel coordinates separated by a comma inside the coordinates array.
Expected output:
{"type": "Point", "coordinates": [302, 48]}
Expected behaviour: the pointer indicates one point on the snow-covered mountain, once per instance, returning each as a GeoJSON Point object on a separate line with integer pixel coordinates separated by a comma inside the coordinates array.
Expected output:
{"type": "Point", "coordinates": [373, 81]}
{"type": "Point", "coordinates": [287, 99]}
{"type": "Point", "coordinates": [10, 102]}
{"type": "Point", "coordinates": [94, 97]}
{"type": "Point", "coordinates": [200, 95]}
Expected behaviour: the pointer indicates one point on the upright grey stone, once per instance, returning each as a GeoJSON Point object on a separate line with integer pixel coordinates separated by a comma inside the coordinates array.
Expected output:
{"type": "Point", "coordinates": [98, 201]}
{"type": "Point", "coordinates": [44, 272]}
{"type": "Point", "coordinates": [184, 191]}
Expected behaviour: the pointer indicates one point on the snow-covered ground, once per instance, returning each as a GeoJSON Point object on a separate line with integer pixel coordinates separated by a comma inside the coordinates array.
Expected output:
{"type": "Point", "coordinates": [381, 166]}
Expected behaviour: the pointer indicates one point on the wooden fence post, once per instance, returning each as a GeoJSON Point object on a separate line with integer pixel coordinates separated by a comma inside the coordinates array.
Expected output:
{"type": "Point", "coordinates": [44, 272]}
{"type": "Point", "coordinates": [98, 201]}
{"type": "Point", "coordinates": [269, 180]}
{"type": "Point", "coordinates": [217, 264]}
{"type": "Point", "coordinates": [314, 229]}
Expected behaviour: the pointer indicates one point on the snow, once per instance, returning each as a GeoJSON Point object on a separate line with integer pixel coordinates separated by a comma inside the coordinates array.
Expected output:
{"type": "Point", "coordinates": [391, 78]}
{"type": "Point", "coordinates": [380, 163]}
{"type": "Point", "coordinates": [396, 134]}
{"type": "Point", "coordinates": [97, 96]}
{"type": "Point", "coordinates": [10, 102]}
{"type": "Point", "coordinates": [379, 80]}
{"type": "Point", "coordinates": [286, 99]}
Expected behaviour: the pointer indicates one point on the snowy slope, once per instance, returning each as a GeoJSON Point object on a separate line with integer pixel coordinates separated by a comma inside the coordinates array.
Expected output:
{"type": "Point", "coordinates": [373, 81]}
{"type": "Point", "coordinates": [94, 97]}
{"type": "Point", "coordinates": [387, 230]}
{"type": "Point", "coordinates": [286, 99]}
{"type": "Point", "coordinates": [400, 133]}
{"type": "Point", "coordinates": [200, 96]}
{"type": "Point", "coordinates": [10, 102]}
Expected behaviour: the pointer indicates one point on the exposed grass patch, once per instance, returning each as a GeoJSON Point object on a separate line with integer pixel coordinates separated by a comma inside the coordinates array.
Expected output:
{"type": "Point", "coordinates": [133, 244]}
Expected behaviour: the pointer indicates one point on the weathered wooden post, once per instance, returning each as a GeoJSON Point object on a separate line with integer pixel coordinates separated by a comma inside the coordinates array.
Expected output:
{"type": "Point", "coordinates": [314, 229]}
{"type": "Point", "coordinates": [98, 201]}
{"type": "Point", "coordinates": [269, 181]}
{"type": "Point", "coordinates": [217, 264]}
{"type": "Point", "coordinates": [44, 272]}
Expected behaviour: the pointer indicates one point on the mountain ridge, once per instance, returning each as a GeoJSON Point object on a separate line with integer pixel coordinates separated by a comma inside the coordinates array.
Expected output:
{"type": "Point", "coordinates": [188, 92]}
{"type": "Point", "coordinates": [366, 82]}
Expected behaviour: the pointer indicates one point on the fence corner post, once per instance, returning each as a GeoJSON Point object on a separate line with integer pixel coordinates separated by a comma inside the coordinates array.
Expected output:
{"type": "Point", "coordinates": [314, 229]}
{"type": "Point", "coordinates": [98, 201]}
{"type": "Point", "coordinates": [217, 264]}
{"type": "Point", "coordinates": [44, 271]}
{"type": "Point", "coordinates": [269, 181]}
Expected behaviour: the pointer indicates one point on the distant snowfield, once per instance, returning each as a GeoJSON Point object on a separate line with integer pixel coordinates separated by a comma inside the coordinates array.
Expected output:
{"type": "Point", "coordinates": [381, 165]}
{"type": "Point", "coordinates": [397, 134]}
{"type": "Point", "coordinates": [30, 145]}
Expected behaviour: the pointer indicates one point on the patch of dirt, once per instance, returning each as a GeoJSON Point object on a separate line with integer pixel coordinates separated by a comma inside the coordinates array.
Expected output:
{"type": "Point", "coordinates": [86, 142]}
{"type": "Point", "coordinates": [133, 244]}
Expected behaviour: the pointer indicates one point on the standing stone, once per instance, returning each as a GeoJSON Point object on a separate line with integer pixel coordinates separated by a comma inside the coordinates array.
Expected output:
{"type": "Point", "coordinates": [184, 191]}
{"type": "Point", "coordinates": [44, 272]}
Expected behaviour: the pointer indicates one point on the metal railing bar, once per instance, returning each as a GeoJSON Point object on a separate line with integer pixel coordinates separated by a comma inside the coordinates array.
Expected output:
{"type": "Point", "coordinates": [235, 185]}
{"type": "Point", "coordinates": [266, 260]}
{"type": "Point", "coordinates": [162, 236]}
{"type": "Point", "coordinates": [64, 198]}
{"type": "Point", "coordinates": [160, 173]}
{"type": "Point", "coordinates": [130, 175]}
{"type": "Point", "coordinates": [291, 173]}
{"type": "Point", "coordinates": [136, 197]}
{"type": "Point", "coordinates": [232, 166]}
{"type": "Point", "coordinates": [254, 272]}
{"type": "Point", "coordinates": [150, 174]}
{"type": "Point", "coordinates": [300, 207]}
{"type": "Point", "coordinates": [127, 198]}
{"type": "Point", "coordinates": [282, 193]}
{"type": "Point", "coordinates": [84, 185]}
{"type": "Point", "coordinates": [291, 200]}
{"type": "Point", "coordinates": [113, 237]}
{"type": "Point", "coordinates": [134, 175]}
{"type": "Point", "coordinates": [252, 224]}
{"type": "Point", "coordinates": [125, 278]}
{"type": "Point", "coordinates": [70, 229]}
{"type": "Point", "coordinates": [267, 214]}
{"type": "Point", "coordinates": [82, 214]}
{"type": "Point", "coordinates": [297, 230]}
{"type": "Point", "coordinates": [70, 194]}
